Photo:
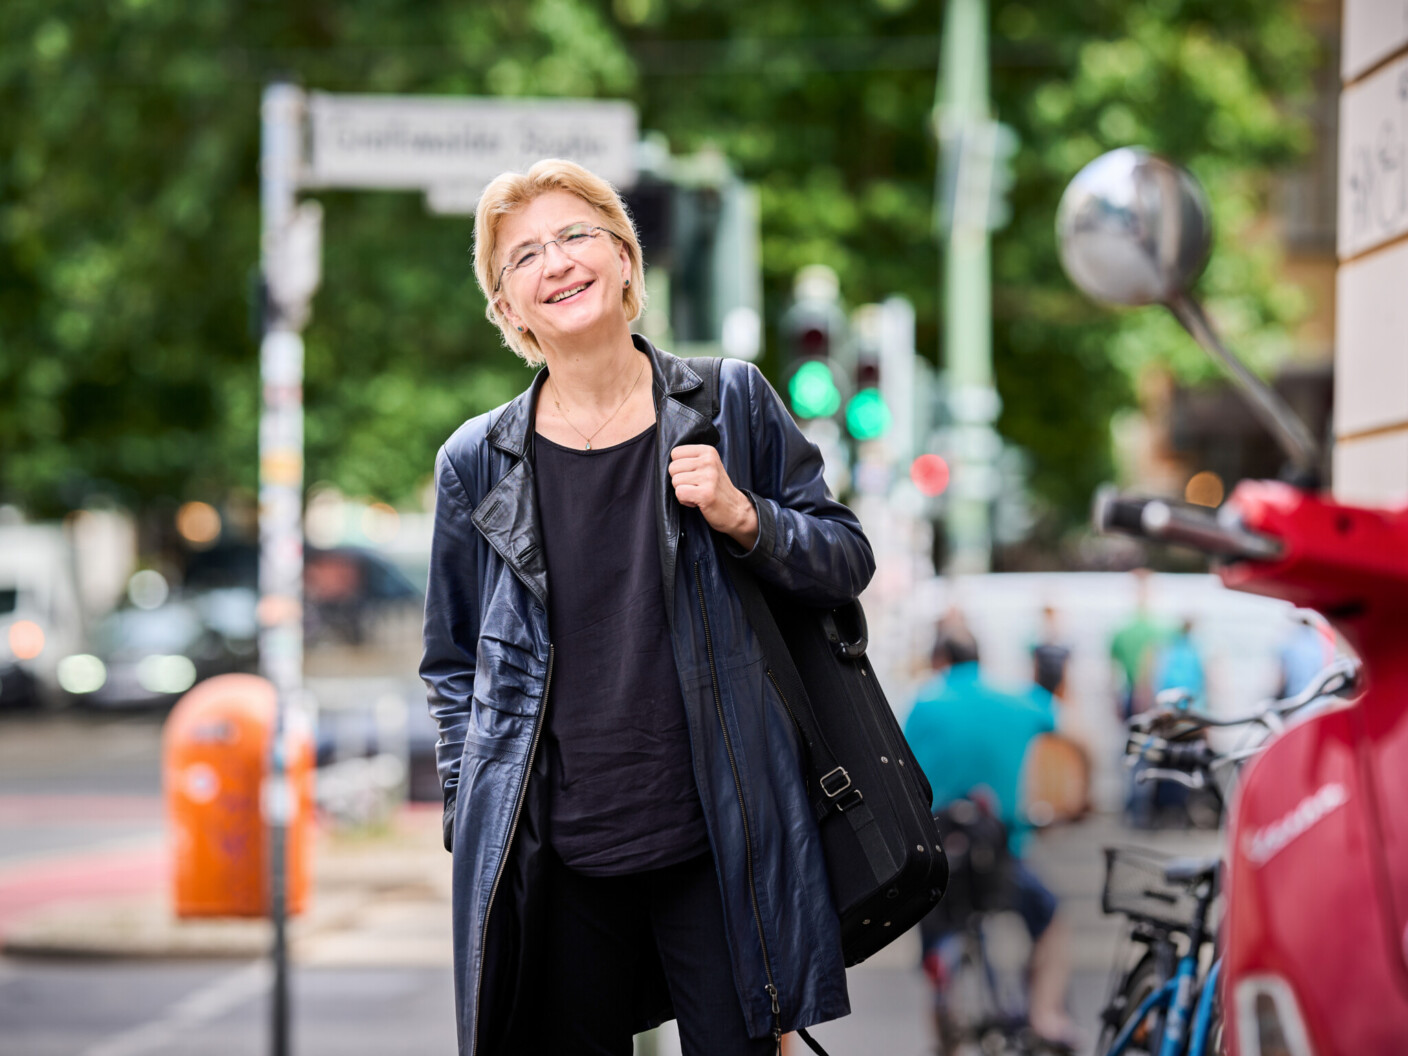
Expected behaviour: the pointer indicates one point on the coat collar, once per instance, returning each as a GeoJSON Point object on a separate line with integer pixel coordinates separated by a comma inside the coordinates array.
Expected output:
{"type": "Point", "coordinates": [508, 514]}
{"type": "Point", "coordinates": [513, 431]}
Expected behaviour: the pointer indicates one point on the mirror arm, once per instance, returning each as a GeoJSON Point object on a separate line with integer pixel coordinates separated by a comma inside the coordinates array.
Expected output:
{"type": "Point", "coordinates": [1274, 412]}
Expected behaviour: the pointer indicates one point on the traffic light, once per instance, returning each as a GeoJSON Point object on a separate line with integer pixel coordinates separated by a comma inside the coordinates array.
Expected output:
{"type": "Point", "coordinates": [1004, 153]}
{"type": "Point", "coordinates": [884, 390]}
{"type": "Point", "coordinates": [814, 335]}
{"type": "Point", "coordinates": [812, 390]}
{"type": "Point", "coordinates": [867, 416]}
{"type": "Point", "coordinates": [975, 175]}
{"type": "Point", "coordinates": [930, 474]}
{"type": "Point", "coordinates": [698, 227]}
{"type": "Point", "coordinates": [867, 413]}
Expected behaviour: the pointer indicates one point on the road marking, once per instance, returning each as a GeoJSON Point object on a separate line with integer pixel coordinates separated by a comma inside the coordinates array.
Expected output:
{"type": "Point", "coordinates": [210, 1002]}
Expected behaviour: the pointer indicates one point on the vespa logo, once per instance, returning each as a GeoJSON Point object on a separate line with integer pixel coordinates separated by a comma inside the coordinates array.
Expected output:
{"type": "Point", "coordinates": [1265, 843]}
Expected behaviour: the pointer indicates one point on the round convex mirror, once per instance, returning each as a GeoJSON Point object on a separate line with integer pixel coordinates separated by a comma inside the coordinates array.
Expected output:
{"type": "Point", "coordinates": [1133, 229]}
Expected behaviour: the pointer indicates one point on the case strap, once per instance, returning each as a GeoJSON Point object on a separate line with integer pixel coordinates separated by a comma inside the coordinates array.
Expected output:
{"type": "Point", "coordinates": [829, 785]}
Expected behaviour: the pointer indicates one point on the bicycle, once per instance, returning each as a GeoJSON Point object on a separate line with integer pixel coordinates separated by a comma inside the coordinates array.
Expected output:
{"type": "Point", "coordinates": [1168, 900]}
{"type": "Point", "coordinates": [975, 957]}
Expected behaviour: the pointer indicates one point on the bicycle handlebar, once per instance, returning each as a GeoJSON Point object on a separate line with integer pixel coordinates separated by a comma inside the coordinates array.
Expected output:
{"type": "Point", "coordinates": [1193, 526]}
{"type": "Point", "coordinates": [1339, 678]}
{"type": "Point", "coordinates": [1188, 779]}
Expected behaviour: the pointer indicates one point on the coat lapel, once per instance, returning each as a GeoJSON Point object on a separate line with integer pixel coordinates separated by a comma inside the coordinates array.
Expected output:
{"type": "Point", "coordinates": [508, 514]}
{"type": "Point", "coordinates": [677, 424]}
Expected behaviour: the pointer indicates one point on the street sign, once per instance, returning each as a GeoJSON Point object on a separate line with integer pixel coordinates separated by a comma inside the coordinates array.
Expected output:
{"type": "Point", "coordinates": [452, 146]}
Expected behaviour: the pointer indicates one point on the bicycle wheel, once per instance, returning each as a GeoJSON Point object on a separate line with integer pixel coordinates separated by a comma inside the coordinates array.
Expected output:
{"type": "Point", "coordinates": [1214, 1045]}
{"type": "Point", "coordinates": [971, 1016]}
{"type": "Point", "coordinates": [1143, 979]}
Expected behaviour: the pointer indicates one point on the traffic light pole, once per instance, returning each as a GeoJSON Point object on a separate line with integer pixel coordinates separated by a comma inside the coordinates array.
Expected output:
{"type": "Point", "coordinates": [290, 254]}
{"type": "Point", "coordinates": [962, 112]}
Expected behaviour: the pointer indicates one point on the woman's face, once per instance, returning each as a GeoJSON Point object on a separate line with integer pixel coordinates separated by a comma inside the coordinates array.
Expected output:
{"type": "Point", "coordinates": [563, 292]}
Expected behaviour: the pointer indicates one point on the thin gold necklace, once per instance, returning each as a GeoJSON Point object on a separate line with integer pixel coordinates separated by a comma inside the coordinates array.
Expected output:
{"type": "Point", "coordinates": [610, 416]}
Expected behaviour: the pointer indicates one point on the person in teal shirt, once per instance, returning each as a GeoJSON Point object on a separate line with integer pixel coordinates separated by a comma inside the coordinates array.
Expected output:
{"type": "Point", "coordinates": [968, 735]}
{"type": "Point", "coordinates": [971, 738]}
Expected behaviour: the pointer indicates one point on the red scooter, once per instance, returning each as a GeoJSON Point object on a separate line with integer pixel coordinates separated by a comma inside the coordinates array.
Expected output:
{"type": "Point", "coordinates": [1315, 942]}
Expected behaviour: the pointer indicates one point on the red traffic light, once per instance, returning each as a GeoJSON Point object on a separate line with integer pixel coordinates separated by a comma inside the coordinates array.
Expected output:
{"type": "Point", "coordinates": [930, 474]}
{"type": "Point", "coordinates": [813, 342]}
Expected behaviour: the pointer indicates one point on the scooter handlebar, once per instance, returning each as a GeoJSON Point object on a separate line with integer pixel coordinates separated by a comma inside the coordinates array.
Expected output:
{"type": "Point", "coordinates": [1193, 526]}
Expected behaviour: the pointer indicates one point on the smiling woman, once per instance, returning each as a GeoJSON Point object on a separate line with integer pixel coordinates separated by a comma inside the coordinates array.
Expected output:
{"type": "Point", "coordinates": [623, 794]}
{"type": "Point", "coordinates": [501, 244]}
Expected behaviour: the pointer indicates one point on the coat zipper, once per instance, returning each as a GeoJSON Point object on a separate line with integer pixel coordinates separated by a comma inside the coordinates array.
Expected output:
{"type": "Point", "coordinates": [508, 842]}
{"type": "Point", "coordinates": [771, 988]}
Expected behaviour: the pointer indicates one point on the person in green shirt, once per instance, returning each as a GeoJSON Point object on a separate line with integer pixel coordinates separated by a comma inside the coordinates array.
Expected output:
{"type": "Point", "coordinates": [1132, 649]}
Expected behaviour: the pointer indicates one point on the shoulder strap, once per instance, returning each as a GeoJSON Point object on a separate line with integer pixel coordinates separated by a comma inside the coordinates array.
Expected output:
{"type": "Point", "coordinates": [705, 399]}
{"type": "Point", "coordinates": [827, 779]}
{"type": "Point", "coordinates": [832, 783]}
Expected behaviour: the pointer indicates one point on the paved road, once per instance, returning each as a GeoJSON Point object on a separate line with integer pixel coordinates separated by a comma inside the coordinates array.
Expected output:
{"type": "Point", "coordinates": [66, 1008]}
{"type": "Point", "coordinates": [79, 803]}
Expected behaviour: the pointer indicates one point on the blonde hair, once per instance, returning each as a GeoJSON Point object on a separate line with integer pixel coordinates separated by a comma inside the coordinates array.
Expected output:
{"type": "Point", "coordinates": [510, 192]}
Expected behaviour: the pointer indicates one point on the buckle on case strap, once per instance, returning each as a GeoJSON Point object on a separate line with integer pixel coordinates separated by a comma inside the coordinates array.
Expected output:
{"type": "Point", "coordinates": [841, 784]}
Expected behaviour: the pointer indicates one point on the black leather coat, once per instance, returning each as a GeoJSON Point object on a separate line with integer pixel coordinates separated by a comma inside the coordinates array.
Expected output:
{"type": "Point", "coordinates": [488, 667]}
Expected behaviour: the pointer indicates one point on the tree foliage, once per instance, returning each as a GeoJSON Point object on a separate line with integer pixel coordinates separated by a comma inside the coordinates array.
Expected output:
{"type": "Point", "coordinates": [828, 109]}
{"type": "Point", "coordinates": [129, 224]}
{"type": "Point", "coordinates": [129, 207]}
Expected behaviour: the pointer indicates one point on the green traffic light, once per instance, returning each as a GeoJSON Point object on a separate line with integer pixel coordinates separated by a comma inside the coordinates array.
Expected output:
{"type": "Point", "coordinates": [813, 391]}
{"type": "Point", "coordinates": [867, 416]}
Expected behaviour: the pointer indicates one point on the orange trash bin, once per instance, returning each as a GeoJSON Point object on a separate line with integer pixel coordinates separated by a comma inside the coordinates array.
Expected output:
{"type": "Point", "coordinates": [215, 756]}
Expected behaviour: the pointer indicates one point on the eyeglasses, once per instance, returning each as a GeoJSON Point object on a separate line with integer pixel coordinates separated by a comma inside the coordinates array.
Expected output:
{"type": "Point", "coordinates": [571, 240]}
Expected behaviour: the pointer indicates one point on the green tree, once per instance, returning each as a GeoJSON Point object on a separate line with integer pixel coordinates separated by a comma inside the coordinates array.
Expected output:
{"type": "Point", "coordinates": [129, 208]}
{"type": "Point", "coordinates": [828, 109]}
{"type": "Point", "coordinates": [129, 232]}
{"type": "Point", "coordinates": [1208, 84]}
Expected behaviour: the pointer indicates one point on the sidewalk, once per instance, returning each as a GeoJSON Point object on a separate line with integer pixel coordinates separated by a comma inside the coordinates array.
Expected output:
{"type": "Point", "coordinates": [382, 899]}
{"type": "Point", "coordinates": [379, 898]}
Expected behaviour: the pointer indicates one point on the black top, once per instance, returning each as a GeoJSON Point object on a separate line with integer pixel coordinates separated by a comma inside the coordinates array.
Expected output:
{"type": "Point", "coordinates": [623, 797]}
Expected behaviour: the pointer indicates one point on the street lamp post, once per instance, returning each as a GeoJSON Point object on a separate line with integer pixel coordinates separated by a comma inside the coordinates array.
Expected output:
{"type": "Point", "coordinates": [290, 255]}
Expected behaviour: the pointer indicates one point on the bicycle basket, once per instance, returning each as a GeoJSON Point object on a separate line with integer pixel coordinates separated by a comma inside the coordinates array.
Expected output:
{"type": "Point", "coordinates": [1136, 887]}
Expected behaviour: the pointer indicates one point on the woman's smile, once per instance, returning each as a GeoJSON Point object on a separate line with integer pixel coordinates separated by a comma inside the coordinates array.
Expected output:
{"type": "Point", "coordinates": [568, 293]}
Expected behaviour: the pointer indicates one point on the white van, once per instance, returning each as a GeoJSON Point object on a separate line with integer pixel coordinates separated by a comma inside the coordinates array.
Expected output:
{"type": "Point", "coordinates": [41, 618]}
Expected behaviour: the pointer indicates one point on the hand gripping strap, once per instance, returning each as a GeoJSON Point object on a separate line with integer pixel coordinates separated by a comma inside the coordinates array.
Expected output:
{"type": "Point", "coordinates": [828, 784]}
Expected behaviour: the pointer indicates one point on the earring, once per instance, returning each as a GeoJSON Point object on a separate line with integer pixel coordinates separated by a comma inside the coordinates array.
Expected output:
{"type": "Point", "coordinates": [520, 329]}
{"type": "Point", "coordinates": [626, 283]}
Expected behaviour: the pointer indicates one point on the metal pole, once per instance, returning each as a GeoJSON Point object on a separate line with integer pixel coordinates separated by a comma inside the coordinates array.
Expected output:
{"type": "Point", "coordinates": [280, 503]}
{"type": "Point", "coordinates": [963, 113]}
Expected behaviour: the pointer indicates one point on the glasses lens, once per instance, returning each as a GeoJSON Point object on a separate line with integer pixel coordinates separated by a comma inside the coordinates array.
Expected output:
{"type": "Point", "coordinates": [527, 255]}
{"type": "Point", "coordinates": [575, 237]}
{"type": "Point", "coordinates": [573, 240]}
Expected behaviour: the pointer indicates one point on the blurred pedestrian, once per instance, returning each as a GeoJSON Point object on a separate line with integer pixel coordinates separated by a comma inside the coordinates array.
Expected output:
{"type": "Point", "coordinates": [1131, 650]}
{"type": "Point", "coordinates": [1058, 768]}
{"type": "Point", "coordinates": [632, 839]}
{"type": "Point", "coordinates": [1051, 654]}
{"type": "Point", "coordinates": [971, 740]}
{"type": "Point", "coordinates": [1306, 651]}
{"type": "Point", "coordinates": [1176, 664]}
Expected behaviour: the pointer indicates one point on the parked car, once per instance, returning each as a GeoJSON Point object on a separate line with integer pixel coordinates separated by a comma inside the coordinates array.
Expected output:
{"type": "Point", "coordinates": [149, 657]}
{"type": "Point", "coordinates": [347, 590]}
